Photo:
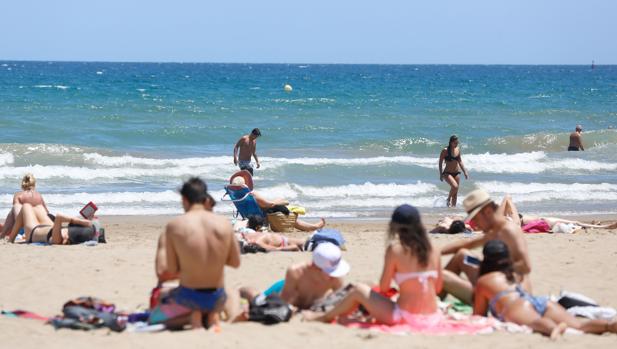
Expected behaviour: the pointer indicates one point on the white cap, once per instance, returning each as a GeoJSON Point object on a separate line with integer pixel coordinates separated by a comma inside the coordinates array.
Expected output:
{"type": "Point", "coordinates": [327, 257]}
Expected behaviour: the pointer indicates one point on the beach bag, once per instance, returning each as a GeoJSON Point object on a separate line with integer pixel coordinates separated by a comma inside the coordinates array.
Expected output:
{"type": "Point", "coordinates": [281, 223]}
{"type": "Point", "coordinates": [269, 310]}
{"type": "Point", "coordinates": [325, 235]}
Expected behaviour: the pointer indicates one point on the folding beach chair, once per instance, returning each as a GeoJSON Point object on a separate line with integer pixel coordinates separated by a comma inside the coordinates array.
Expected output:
{"type": "Point", "coordinates": [243, 200]}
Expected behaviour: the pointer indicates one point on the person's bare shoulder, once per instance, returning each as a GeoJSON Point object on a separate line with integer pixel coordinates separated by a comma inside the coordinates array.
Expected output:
{"type": "Point", "coordinates": [176, 225]}
{"type": "Point", "coordinates": [296, 270]}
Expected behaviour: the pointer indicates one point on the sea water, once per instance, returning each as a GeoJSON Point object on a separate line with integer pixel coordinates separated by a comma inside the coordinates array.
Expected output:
{"type": "Point", "coordinates": [348, 141]}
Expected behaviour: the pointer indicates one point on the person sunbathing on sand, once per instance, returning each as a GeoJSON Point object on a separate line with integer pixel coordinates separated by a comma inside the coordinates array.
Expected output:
{"type": "Point", "coordinates": [27, 195]}
{"type": "Point", "coordinates": [450, 225]}
{"type": "Point", "coordinates": [482, 210]}
{"type": "Point", "coordinates": [509, 210]}
{"type": "Point", "coordinates": [412, 262]}
{"type": "Point", "coordinates": [270, 242]}
{"type": "Point", "coordinates": [499, 292]}
{"type": "Point", "coordinates": [275, 206]}
{"type": "Point", "coordinates": [309, 282]}
{"type": "Point", "coordinates": [39, 227]}
{"type": "Point", "coordinates": [198, 246]}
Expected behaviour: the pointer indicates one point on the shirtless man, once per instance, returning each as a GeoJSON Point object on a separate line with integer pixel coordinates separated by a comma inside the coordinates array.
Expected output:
{"type": "Point", "coordinates": [308, 282]}
{"type": "Point", "coordinates": [483, 211]}
{"type": "Point", "coordinates": [576, 139]}
{"type": "Point", "coordinates": [245, 148]}
{"type": "Point", "coordinates": [198, 245]}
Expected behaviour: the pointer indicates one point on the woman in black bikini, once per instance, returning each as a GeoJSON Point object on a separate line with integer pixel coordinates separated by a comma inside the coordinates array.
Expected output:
{"type": "Point", "coordinates": [454, 164]}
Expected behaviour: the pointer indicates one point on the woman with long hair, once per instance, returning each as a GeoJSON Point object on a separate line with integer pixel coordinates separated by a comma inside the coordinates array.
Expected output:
{"type": "Point", "coordinates": [412, 262]}
{"type": "Point", "coordinates": [451, 156]}
{"type": "Point", "coordinates": [498, 291]}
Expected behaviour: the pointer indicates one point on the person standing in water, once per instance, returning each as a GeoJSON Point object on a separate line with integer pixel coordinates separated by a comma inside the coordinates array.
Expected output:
{"type": "Point", "coordinates": [246, 148]}
{"type": "Point", "coordinates": [451, 155]}
{"type": "Point", "coordinates": [576, 139]}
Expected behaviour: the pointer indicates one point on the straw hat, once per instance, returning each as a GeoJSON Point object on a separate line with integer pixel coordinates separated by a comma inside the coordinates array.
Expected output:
{"type": "Point", "coordinates": [475, 201]}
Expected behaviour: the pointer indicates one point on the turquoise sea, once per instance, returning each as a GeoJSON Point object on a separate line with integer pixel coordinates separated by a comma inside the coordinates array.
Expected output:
{"type": "Point", "coordinates": [348, 141]}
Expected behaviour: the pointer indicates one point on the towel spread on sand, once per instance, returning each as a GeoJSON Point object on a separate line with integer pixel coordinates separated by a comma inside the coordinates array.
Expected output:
{"type": "Point", "coordinates": [434, 324]}
{"type": "Point", "coordinates": [25, 315]}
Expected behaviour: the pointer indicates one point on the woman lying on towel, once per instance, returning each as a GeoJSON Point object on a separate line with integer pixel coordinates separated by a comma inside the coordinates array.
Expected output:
{"type": "Point", "coordinates": [415, 266]}
{"type": "Point", "coordinates": [270, 242]}
{"type": "Point", "coordinates": [40, 227]}
{"type": "Point", "coordinates": [508, 209]}
{"type": "Point", "coordinates": [498, 292]}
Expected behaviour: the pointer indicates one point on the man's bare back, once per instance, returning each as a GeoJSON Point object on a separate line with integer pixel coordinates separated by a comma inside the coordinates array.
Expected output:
{"type": "Point", "coordinates": [576, 139]}
{"type": "Point", "coordinates": [199, 245]}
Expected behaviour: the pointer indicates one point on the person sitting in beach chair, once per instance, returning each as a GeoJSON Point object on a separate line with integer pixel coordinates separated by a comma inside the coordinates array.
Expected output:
{"type": "Point", "coordinates": [482, 211]}
{"type": "Point", "coordinates": [412, 262]}
{"type": "Point", "coordinates": [40, 227]}
{"type": "Point", "coordinates": [257, 204]}
{"type": "Point", "coordinates": [198, 246]}
{"type": "Point", "coordinates": [499, 292]}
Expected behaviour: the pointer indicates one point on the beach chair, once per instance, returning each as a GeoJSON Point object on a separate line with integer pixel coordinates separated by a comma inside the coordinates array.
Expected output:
{"type": "Point", "coordinates": [243, 201]}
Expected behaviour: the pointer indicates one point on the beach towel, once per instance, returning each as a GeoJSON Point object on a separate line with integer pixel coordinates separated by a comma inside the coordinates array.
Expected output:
{"type": "Point", "coordinates": [24, 314]}
{"type": "Point", "coordinates": [433, 324]}
{"type": "Point", "coordinates": [537, 226]}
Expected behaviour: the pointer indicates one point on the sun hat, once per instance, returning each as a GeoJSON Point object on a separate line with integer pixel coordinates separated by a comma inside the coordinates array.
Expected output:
{"type": "Point", "coordinates": [327, 257]}
{"type": "Point", "coordinates": [475, 201]}
{"type": "Point", "coordinates": [239, 180]}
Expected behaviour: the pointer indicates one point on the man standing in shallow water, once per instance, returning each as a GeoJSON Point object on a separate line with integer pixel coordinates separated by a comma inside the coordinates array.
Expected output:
{"type": "Point", "coordinates": [576, 139]}
{"type": "Point", "coordinates": [245, 148]}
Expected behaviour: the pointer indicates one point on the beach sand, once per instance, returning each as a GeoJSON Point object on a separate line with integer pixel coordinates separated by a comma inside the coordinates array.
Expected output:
{"type": "Point", "coordinates": [41, 279]}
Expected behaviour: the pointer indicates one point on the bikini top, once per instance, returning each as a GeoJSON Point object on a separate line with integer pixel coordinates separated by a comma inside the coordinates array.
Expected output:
{"type": "Point", "coordinates": [421, 276]}
{"type": "Point", "coordinates": [449, 156]}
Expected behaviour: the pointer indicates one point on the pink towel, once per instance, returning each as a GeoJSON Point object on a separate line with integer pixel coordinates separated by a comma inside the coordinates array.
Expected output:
{"type": "Point", "coordinates": [537, 226]}
{"type": "Point", "coordinates": [437, 323]}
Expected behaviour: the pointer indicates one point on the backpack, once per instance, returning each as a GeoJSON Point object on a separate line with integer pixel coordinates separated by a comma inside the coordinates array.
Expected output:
{"type": "Point", "coordinates": [269, 310]}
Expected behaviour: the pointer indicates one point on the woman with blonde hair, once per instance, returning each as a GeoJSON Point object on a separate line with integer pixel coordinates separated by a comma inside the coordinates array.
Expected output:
{"type": "Point", "coordinates": [27, 195]}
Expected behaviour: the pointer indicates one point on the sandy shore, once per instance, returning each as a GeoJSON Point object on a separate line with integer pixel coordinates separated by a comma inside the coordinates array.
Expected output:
{"type": "Point", "coordinates": [41, 279]}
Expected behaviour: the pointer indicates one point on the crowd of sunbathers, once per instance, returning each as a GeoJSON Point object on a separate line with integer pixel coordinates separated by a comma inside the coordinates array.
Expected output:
{"type": "Point", "coordinates": [497, 282]}
{"type": "Point", "coordinates": [196, 246]}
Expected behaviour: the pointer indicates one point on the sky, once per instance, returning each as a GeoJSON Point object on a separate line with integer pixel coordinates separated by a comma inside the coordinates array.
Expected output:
{"type": "Point", "coordinates": [313, 31]}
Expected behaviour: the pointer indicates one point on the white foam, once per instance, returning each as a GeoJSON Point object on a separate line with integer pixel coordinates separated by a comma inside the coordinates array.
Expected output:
{"type": "Point", "coordinates": [367, 189]}
{"type": "Point", "coordinates": [538, 192]}
{"type": "Point", "coordinates": [119, 173]}
{"type": "Point", "coordinates": [6, 159]}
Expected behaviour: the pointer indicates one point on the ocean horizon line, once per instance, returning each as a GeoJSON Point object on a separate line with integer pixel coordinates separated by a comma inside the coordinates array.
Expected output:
{"type": "Point", "coordinates": [309, 63]}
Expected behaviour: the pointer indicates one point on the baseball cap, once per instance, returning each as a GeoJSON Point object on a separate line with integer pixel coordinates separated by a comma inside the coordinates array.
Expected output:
{"type": "Point", "coordinates": [327, 257]}
{"type": "Point", "coordinates": [406, 214]}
